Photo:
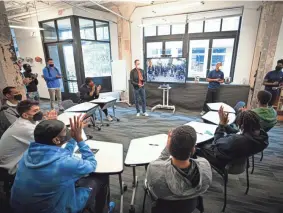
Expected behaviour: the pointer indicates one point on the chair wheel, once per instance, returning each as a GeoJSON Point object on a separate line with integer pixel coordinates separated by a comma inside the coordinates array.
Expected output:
{"type": "Point", "coordinates": [98, 128]}
{"type": "Point", "coordinates": [89, 126]}
{"type": "Point", "coordinates": [118, 120]}
{"type": "Point", "coordinates": [132, 209]}
{"type": "Point", "coordinates": [107, 124]}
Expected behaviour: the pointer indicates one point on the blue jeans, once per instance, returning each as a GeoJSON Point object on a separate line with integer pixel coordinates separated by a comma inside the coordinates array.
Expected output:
{"type": "Point", "coordinates": [140, 92]}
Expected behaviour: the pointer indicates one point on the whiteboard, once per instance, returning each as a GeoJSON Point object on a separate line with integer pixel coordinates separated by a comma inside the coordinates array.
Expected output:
{"type": "Point", "coordinates": [119, 75]}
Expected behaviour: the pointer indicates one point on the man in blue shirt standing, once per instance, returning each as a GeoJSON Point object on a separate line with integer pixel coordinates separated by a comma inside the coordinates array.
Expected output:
{"type": "Point", "coordinates": [215, 78]}
{"type": "Point", "coordinates": [52, 75]}
{"type": "Point", "coordinates": [273, 80]}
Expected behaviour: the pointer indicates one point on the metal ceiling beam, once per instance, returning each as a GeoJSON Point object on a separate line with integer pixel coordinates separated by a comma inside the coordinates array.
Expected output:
{"type": "Point", "coordinates": [111, 11]}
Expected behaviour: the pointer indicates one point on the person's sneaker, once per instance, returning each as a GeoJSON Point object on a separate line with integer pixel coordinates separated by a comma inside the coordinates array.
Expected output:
{"type": "Point", "coordinates": [138, 114]}
{"type": "Point", "coordinates": [109, 118]}
{"type": "Point", "coordinates": [145, 114]}
{"type": "Point", "coordinates": [61, 108]}
{"type": "Point", "coordinates": [202, 113]}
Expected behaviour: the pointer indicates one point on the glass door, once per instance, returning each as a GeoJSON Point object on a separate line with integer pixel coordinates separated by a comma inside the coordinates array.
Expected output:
{"type": "Point", "coordinates": [53, 52]}
{"type": "Point", "coordinates": [70, 69]}
{"type": "Point", "coordinates": [63, 57]}
{"type": "Point", "coordinates": [198, 58]}
{"type": "Point", "coordinates": [222, 51]}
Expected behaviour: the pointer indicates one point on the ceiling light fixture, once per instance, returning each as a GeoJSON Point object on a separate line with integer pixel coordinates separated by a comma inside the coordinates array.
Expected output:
{"type": "Point", "coordinates": [25, 28]}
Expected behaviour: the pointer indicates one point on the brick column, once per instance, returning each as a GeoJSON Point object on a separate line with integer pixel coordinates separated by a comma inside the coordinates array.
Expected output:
{"type": "Point", "coordinates": [9, 70]}
{"type": "Point", "coordinates": [269, 27]}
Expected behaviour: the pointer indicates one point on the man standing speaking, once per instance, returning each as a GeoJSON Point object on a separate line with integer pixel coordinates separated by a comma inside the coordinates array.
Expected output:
{"type": "Point", "coordinates": [138, 78]}
{"type": "Point", "coordinates": [52, 75]}
{"type": "Point", "coordinates": [215, 78]}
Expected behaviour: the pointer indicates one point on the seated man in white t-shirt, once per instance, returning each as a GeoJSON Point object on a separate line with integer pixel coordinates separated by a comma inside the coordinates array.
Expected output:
{"type": "Point", "coordinates": [15, 141]}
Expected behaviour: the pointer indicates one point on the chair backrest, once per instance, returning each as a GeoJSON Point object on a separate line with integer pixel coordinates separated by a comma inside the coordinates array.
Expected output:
{"type": "Point", "coordinates": [238, 166]}
{"type": "Point", "coordinates": [67, 104]}
{"type": "Point", "coordinates": [175, 206]}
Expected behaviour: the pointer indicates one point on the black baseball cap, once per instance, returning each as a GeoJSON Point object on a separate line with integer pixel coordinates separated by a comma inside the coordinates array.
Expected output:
{"type": "Point", "coordinates": [46, 130]}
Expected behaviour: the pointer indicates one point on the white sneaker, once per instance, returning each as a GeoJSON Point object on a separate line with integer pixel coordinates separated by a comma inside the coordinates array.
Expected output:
{"type": "Point", "coordinates": [109, 118]}
{"type": "Point", "coordinates": [145, 114]}
{"type": "Point", "coordinates": [202, 113]}
{"type": "Point", "coordinates": [138, 114]}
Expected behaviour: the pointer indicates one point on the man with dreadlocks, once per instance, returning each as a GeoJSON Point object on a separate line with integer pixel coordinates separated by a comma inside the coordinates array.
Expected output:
{"type": "Point", "coordinates": [228, 147]}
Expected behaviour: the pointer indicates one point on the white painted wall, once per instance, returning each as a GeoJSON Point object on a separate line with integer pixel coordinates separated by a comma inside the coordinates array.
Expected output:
{"type": "Point", "coordinates": [32, 46]}
{"type": "Point", "coordinates": [279, 48]}
{"type": "Point", "coordinates": [247, 40]}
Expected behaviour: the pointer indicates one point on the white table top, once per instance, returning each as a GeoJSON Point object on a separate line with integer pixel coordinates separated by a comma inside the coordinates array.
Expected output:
{"type": "Point", "coordinates": [144, 150]}
{"type": "Point", "coordinates": [204, 131]}
{"type": "Point", "coordinates": [213, 117]}
{"type": "Point", "coordinates": [216, 107]}
{"type": "Point", "coordinates": [65, 117]}
{"type": "Point", "coordinates": [103, 100]}
{"type": "Point", "coordinates": [83, 107]}
{"type": "Point", "coordinates": [109, 156]}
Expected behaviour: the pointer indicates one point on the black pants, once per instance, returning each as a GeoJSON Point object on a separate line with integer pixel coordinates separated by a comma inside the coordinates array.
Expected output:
{"type": "Point", "coordinates": [212, 96]}
{"type": "Point", "coordinates": [275, 94]}
{"type": "Point", "coordinates": [99, 193]}
{"type": "Point", "coordinates": [105, 110]}
{"type": "Point", "coordinates": [206, 152]}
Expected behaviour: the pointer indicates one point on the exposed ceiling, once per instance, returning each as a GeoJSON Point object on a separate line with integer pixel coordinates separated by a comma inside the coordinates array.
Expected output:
{"type": "Point", "coordinates": [18, 10]}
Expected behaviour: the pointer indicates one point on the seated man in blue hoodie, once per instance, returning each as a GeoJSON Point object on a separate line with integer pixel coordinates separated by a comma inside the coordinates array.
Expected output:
{"type": "Point", "coordinates": [179, 177]}
{"type": "Point", "coordinates": [50, 179]}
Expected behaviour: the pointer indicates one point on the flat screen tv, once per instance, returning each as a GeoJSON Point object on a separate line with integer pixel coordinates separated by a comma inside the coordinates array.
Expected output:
{"type": "Point", "coordinates": [166, 70]}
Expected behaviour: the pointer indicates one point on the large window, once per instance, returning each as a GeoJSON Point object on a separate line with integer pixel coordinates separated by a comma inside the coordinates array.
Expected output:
{"type": "Point", "coordinates": [102, 31]}
{"type": "Point", "coordinates": [86, 29]}
{"type": "Point", "coordinates": [64, 29]}
{"type": "Point", "coordinates": [205, 42]}
{"type": "Point", "coordinates": [72, 40]}
{"type": "Point", "coordinates": [97, 61]}
{"type": "Point", "coordinates": [154, 49]}
{"type": "Point", "coordinates": [198, 55]}
{"type": "Point", "coordinates": [174, 48]}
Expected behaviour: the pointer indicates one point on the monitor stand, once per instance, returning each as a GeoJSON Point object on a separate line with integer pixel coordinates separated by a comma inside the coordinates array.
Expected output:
{"type": "Point", "coordinates": [165, 88]}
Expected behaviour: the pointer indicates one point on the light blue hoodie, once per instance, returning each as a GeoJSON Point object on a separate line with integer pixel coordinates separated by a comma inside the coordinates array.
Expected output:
{"type": "Point", "coordinates": [46, 176]}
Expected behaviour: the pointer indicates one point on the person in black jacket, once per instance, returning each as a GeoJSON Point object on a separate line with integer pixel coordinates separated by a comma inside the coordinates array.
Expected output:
{"type": "Point", "coordinates": [138, 78]}
{"type": "Point", "coordinates": [32, 90]}
{"type": "Point", "coordinates": [89, 91]}
{"type": "Point", "coordinates": [229, 146]}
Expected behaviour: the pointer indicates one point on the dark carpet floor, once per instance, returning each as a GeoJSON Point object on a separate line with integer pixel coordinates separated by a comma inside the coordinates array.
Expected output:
{"type": "Point", "coordinates": [266, 184]}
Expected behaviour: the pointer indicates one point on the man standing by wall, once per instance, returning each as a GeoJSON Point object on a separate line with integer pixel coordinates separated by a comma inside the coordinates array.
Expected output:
{"type": "Point", "coordinates": [52, 75]}
{"type": "Point", "coordinates": [138, 78]}
{"type": "Point", "coordinates": [273, 80]}
{"type": "Point", "coordinates": [215, 78]}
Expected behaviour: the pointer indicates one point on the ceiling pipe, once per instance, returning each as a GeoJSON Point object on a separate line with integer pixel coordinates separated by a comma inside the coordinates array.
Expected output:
{"type": "Point", "coordinates": [28, 14]}
{"type": "Point", "coordinates": [111, 11]}
{"type": "Point", "coordinates": [86, 10]}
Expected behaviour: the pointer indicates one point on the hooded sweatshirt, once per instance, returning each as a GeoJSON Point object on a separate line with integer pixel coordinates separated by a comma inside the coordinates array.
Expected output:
{"type": "Point", "coordinates": [46, 176]}
{"type": "Point", "coordinates": [268, 117]}
{"type": "Point", "coordinates": [228, 147]}
{"type": "Point", "coordinates": [8, 115]}
{"type": "Point", "coordinates": [167, 182]}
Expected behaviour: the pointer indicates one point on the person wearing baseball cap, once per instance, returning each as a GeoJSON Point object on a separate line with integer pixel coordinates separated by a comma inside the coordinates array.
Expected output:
{"type": "Point", "coordinates": [50, 179]}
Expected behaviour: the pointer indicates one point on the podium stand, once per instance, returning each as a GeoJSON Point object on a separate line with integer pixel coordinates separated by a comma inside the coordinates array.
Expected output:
{"type": "Point", "coordinates": [164, 105]}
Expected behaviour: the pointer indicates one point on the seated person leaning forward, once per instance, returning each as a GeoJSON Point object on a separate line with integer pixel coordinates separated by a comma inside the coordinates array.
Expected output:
{"type": "Point", "coordinates": [228, 146]}
{"type": "Point", "coordinates": [179, 177]}
{"type": "Point", "coordinates": [17, 138]}
{"type": "Point", "coordinates": [89, 91]}
{"type": "Point", "coordinates": [8, 112]}
{"type": "Point", "coordinates": [51, 179]}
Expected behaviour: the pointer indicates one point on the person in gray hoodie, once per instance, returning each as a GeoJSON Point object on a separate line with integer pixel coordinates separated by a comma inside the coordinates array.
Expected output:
{"type": "Point", "coordinates": [8, 112]}
{"type": "Point", "coordinates": [175, 175]}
